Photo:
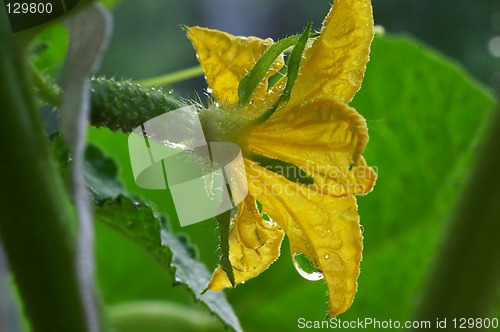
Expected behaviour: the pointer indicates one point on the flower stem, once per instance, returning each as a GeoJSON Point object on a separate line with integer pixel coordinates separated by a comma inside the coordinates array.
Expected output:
{"type": "Point", "coordinates": [36, 221]}
{"type": "Point", "coordinates": [466, 278]}
{"type": "Point", "coordinates": [172, 78]}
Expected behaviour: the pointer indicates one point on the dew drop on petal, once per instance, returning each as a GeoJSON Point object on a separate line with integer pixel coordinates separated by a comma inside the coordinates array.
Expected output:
{"type": "Point", "coordinates": [306, 268]}
{"type": "Point", "coordinates": [268, 220]}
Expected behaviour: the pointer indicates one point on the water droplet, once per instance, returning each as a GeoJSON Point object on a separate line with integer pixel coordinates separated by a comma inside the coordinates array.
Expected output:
{"type": "Point", "coordinates": [306, 268]}
{"type": "Point", "coordinates": [209, 91]}
{"type": "Point", "coordinates": [268, 220]}
{"type": "Point", "coordinates": [136, 203]}
{"type": "Point", "coordinates": [327, 256]}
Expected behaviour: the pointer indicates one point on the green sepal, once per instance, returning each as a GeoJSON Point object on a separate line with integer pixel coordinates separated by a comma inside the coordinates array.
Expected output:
{"type": "Point", "coordinates": [283, 168]}
{"type": "Point", "coordinates": [252, 79]}
{"type": "Point", "coordinates": [292, 73]}
{"type": "Point", "coordinates": [224, 221]}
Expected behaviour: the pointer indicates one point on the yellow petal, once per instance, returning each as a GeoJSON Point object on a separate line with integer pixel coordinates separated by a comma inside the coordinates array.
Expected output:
{"type": "Point", "coordinates": [323, 138]}
{"type": "Point", "coordinates": [324, 228]}
{"type": "Point", "coordinates": [226, 59]}
{"type": "Point", "coordinates": [334, 65]}
{"type": "Point", "coordinates": [254, 244]}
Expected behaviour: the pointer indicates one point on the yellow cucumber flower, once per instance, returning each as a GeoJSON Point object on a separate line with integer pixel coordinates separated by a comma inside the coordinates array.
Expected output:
{"type": "Point", "coordinates": [315, 133]}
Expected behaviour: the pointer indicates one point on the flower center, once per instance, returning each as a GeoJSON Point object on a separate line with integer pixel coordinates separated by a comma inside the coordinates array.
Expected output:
{"type": "Point", "coordinates": [225, 125]}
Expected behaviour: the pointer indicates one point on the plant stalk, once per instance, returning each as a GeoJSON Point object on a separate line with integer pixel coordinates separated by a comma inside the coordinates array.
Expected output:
{"type": "Point", "coordinates": [36, 220]}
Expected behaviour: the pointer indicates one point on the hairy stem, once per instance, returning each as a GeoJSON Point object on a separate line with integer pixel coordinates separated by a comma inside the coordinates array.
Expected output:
{"type": "Point", "coordinates": [36, 220]}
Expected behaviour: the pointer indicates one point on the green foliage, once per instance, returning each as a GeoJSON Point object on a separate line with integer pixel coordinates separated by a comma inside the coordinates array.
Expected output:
{"type": "Point", "coordinates": [425, 118]}
{"type": "Point", "coordinates": [143, 225]}
{"type": "Point", "coordinates": [36, 219]}
{"type": "Point", "coordinates": [148, 229]}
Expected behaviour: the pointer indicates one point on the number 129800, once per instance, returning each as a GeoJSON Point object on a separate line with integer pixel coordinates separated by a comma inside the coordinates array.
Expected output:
{"type": "Point", "coordinates": [29, 8]}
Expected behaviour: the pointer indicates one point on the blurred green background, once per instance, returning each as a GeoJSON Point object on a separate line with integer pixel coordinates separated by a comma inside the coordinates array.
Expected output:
{"type": "Point", "coordinates": [426, 105]}
{"type": "Point", "coordinates": [148, 40]}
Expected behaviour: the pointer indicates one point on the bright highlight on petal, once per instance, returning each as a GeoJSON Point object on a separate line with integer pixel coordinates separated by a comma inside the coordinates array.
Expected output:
{"type": "Point", "coordinates": [325, 139]}
{"type": "Point", "coordinates": [324, 228]}
{"type": "Point", "coordinates": [335, 64]}
{"type": "Point", "coordinates": [315, 133]}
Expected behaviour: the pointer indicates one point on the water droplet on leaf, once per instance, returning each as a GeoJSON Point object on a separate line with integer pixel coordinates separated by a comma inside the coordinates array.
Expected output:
{"type": "Point", "coordinates": [306, 268]}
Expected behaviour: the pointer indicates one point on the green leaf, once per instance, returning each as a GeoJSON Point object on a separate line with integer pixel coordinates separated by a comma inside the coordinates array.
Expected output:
{"type": "Point", "coordinates": [425, 123]}
{"type": "Point", "coordinates": [425, 117]}
{"type": "Point", "coordinates": [252, 79]}
{"type": "Point", "coordinates": [141, 223]}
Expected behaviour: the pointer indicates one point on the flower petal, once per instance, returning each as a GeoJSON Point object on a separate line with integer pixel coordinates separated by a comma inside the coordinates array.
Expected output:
{"type": "Point", "coordinates": [334, 65]}
{"type": "Point", "coordinates": [323, 138]}
{"type": "Point", "coordinates": [226, 59]}
{"type": "Point", "coordinates": [254, 244]}
{"type": "Point", "coordinates": [324, 228]}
